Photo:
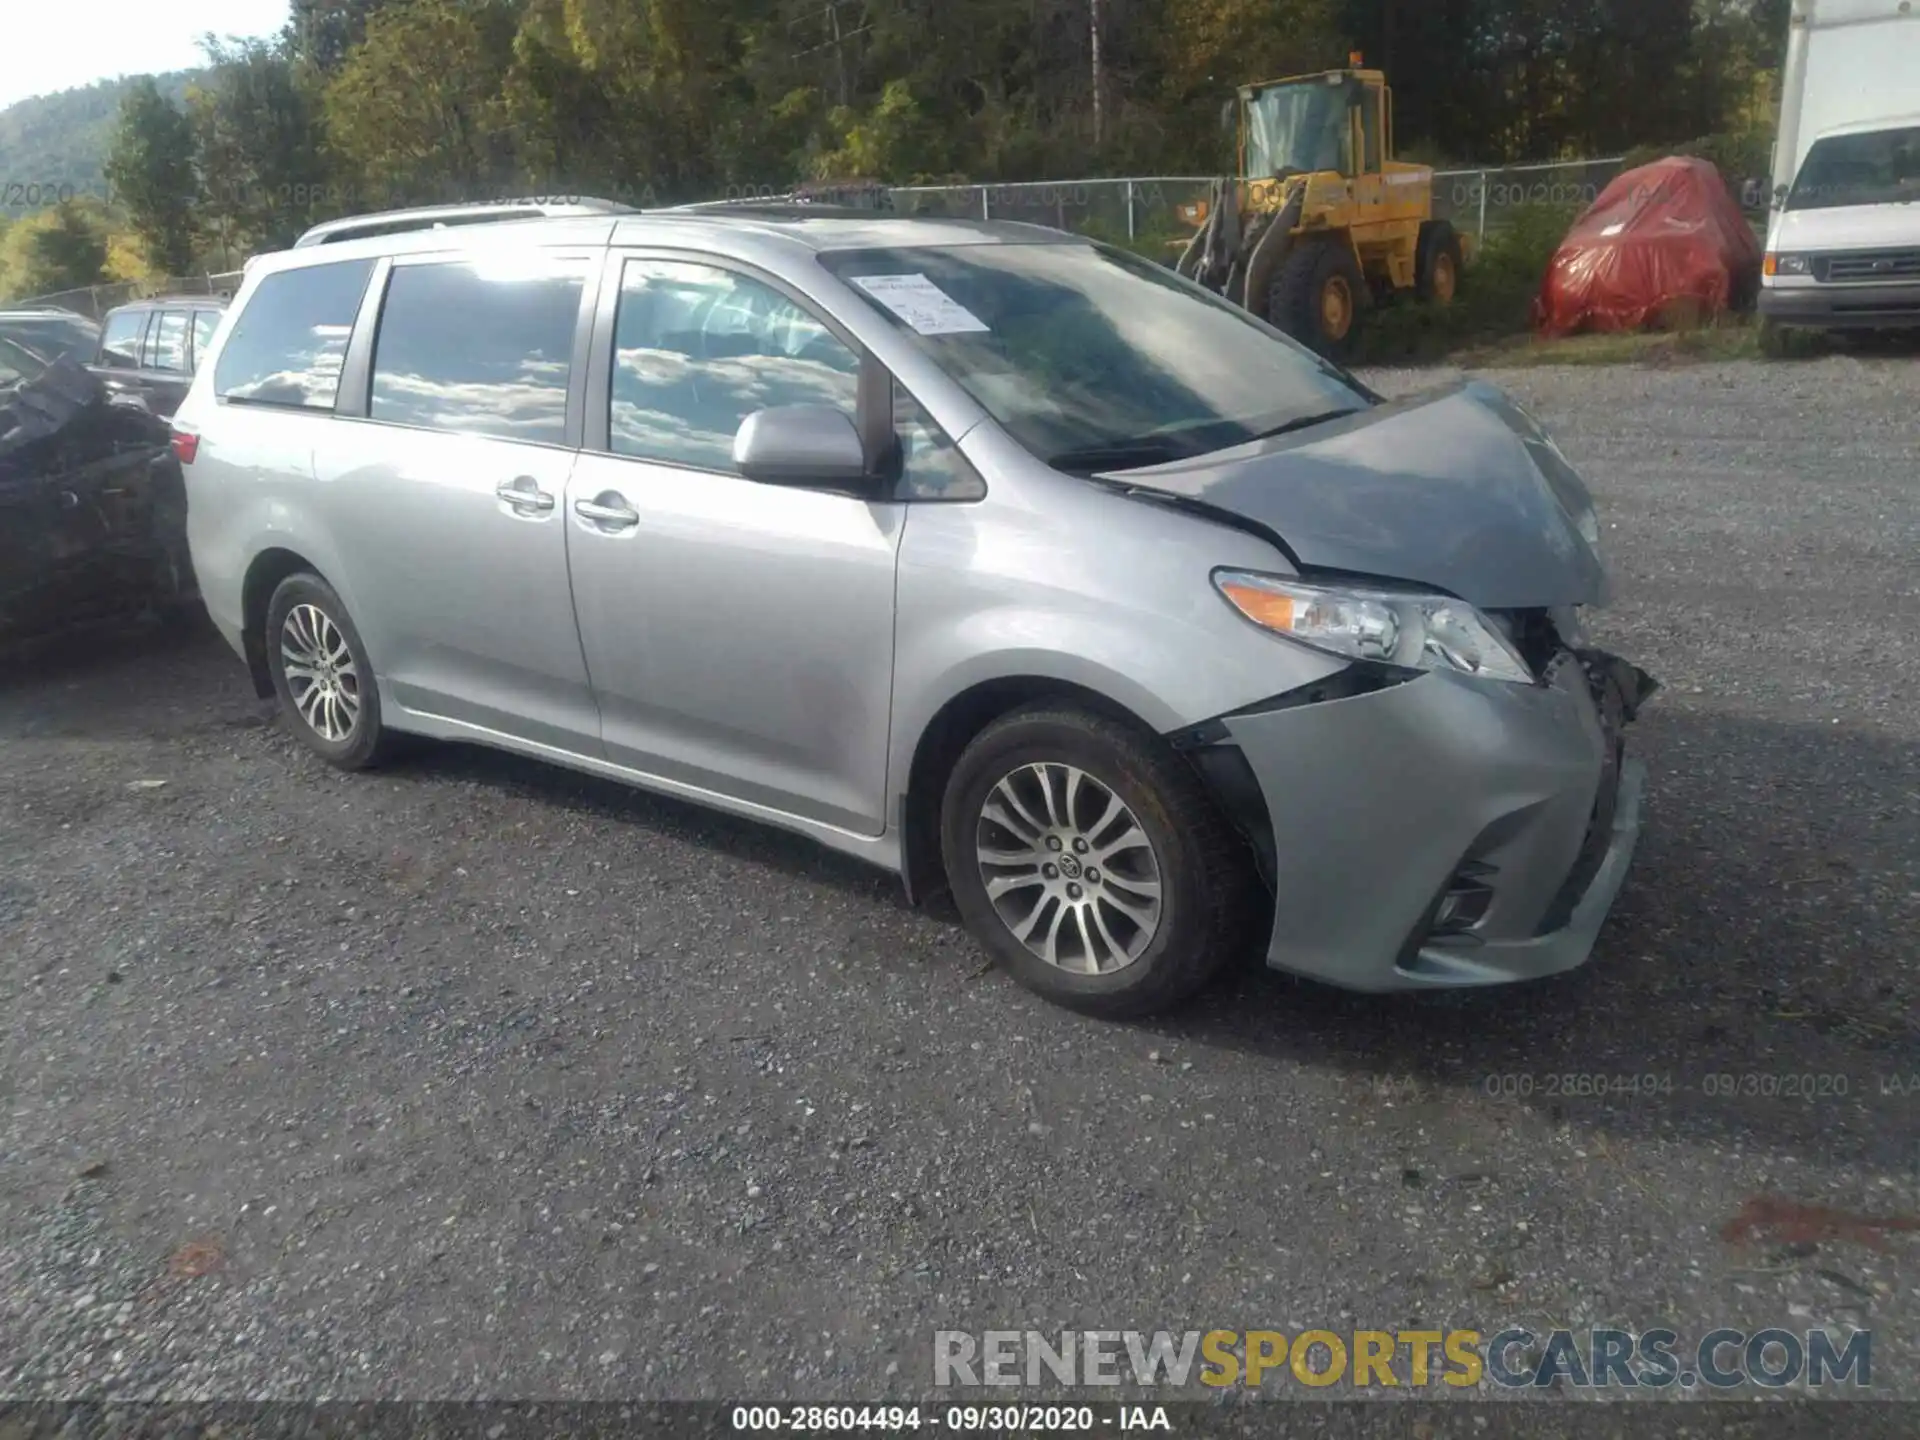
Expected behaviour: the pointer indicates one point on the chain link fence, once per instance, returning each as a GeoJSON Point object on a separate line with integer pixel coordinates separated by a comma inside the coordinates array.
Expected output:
{"type": "Point", "coordinates": [1483, 202]}
{"type": "Point", "coordinates": [1137, 209]}
{"type": "Point", "coordinates": [1145, 208]}
{"type": "Point", "coordinates": [1140, 210]}
{"type": "Point", "coordinates": [96, 300]}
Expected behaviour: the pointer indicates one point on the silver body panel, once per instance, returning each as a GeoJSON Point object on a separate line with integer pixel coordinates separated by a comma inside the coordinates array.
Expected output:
{"type": "Point", "coordinates": [781, 652]}
{"type": "Point", "coordinates": [464, 594]}
{"type": "Point", "coordinates": [740, 636]}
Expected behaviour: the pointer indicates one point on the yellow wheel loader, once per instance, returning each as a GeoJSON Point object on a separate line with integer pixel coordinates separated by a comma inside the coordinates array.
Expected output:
{"type": "Point", "coordinates": [1322, 222]}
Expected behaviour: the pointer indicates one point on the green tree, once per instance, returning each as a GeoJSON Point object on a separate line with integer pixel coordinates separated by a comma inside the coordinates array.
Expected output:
{"type": "Point", "coordinates": [63, 248]}
{"type": "Point", "coordinates": [322, 33]}
{"type": "Point", "coordinates": [151, 170]}
{"type": "Point", "coordinates": [260, 140]}
{"type": "Point", "coordinates": [415, 112]}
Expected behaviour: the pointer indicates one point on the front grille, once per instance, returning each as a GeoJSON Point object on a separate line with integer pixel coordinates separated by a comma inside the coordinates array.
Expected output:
{"type": "Point", "coordinates": [1868, 265]}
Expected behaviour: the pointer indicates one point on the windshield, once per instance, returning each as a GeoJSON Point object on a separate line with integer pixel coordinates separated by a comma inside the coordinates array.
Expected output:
{"type": "Point", "coordinates": [1093, 358]}
{"type": "Point", "coordinates": [54, 334]}
{"type": "Point", "coordinates": [1302, 126]}
{"type": "Point", "coordinates": [1880, 167]}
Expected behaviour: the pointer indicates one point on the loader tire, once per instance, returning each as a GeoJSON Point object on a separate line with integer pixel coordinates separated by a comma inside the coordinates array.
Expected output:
{"type": "Point", "coordinates": [1437, 263]}
{"type": "Point", "coordinates": [1317, 296]}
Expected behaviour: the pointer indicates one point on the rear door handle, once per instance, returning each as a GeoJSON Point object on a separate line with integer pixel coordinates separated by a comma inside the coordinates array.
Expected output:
{"type": "Point", "coordinates": [608, 510]}
{"type": "Point", "coordinates": [524, 494]}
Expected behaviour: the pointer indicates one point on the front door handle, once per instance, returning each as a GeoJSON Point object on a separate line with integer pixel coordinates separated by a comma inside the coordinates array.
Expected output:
{"type": "Point", "coordinates": [609, 510]}
{"type": "Point", "coordinates": [524, 494]}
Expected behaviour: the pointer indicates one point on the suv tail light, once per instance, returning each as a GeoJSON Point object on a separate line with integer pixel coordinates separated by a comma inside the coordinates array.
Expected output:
{"type": "Point", "coordinates": [186, 445]}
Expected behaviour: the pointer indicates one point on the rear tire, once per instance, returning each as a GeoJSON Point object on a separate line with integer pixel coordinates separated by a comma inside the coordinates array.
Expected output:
{"type": "Point", "coordinates": [1437, 263]}
{"type": "Point", "coordinates": [322, 676]}
{"type": "Point", "coordinates": [1319, 284]}
{"type": "Point", "coordinates": [1044, 797]}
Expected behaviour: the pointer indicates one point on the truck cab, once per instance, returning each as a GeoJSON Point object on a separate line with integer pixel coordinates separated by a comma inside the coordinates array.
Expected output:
{"type": "Point", "coordinates": [1844, 248]}
{"type": "Point", "coordinates": [1843, 241]}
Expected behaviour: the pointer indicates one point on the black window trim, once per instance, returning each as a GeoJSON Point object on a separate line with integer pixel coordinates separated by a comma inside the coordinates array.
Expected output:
{"type": "Point", "coordinates": [874, 392]}
{"type": "Point", "coordinates": [288, 407]}
{"type": "Point", "coordinates": [156, 315]}
{"type": "Point", "coordinates": [149, 337]}
{"type": "Point", "coordinates": [355, 398]}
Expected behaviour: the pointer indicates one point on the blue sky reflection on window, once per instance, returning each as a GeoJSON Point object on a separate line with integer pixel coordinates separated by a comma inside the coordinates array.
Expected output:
{"type": "Point", "coordinates": [479, 353]}
{"type": "Point", "coordinates": [698, 349]}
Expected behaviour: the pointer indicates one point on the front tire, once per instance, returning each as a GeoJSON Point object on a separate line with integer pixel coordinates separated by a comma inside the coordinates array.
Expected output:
{"type": "Point", "coordinates": [1090, 862]}
{"type": "Point", "coordinates": [322, 675]}
{"type": "Point", "coordinates": [1317, 296]}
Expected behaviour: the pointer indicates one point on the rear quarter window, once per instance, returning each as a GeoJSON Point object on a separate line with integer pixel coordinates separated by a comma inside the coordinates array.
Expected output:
{"type": "Point", "coordinates": [205, 322]}
{"type": "Point", "coordinates": [120, 338]}
{"type": "Point", "coordinates": [289, 343]}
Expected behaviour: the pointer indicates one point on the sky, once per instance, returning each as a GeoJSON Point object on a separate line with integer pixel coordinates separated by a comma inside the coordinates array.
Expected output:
{"type": "Point", "coordinates": [58, 44]}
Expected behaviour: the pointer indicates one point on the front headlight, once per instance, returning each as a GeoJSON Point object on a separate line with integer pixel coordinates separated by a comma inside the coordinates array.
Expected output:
{"type": "Point", "coordinates": [1429, 632]}
{"type": "Point", "coordinates": [1788, 265]}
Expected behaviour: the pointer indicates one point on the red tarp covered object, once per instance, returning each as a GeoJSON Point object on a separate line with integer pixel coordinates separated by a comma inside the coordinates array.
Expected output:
{"type": "Point", "coordinates": [1668, 235]}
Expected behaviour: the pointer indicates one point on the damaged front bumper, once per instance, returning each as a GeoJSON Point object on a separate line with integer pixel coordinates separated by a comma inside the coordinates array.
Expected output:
{"type": "Point", "coordinates": [1425, 830]}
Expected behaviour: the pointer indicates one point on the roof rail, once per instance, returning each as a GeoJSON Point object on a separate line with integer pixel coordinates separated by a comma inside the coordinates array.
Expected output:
{"type": "Point", "coordinates": [173, 297]}
{"type": "Point", "coordinates": [432, 217]}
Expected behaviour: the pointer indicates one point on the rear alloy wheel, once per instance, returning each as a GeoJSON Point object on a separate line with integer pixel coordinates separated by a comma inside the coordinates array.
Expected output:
{"type": "Point", "coordinates": [1087, 857]}
{"type": "Point", "coordinates": [322, 675]}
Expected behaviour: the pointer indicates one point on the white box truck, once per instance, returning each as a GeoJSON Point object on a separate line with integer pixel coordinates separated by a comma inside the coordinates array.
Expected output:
{"type": "Point", "coordinates": [1843, 240]}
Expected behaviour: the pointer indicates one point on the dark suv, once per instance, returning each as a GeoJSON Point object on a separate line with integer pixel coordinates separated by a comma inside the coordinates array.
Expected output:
{"type": "Point", "coordinates": [50, 333]}
{"type": "Point", "coordinates": [151, 347]}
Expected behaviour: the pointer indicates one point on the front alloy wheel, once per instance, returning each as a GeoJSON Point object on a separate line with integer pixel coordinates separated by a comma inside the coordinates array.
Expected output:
{"type": "Point", "coordinates": [1068, 869]}
{"type": "Point", "coordinates": [1088, 859]}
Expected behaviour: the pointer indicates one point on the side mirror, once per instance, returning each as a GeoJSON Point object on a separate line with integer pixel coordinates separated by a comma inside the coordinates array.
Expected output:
{"type": "Point", "coordinates": [801, 445]}
{"type": "Point", "coordinates": [1229, 112]}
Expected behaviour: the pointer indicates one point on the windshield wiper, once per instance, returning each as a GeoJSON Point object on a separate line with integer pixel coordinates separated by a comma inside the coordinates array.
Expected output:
{"type": "Point", "coordinates": [1145, 450]}
{"type": "Point", "coordinates": [1120, 455]}
{"type": "Point", "coordinates": [1302, 423]}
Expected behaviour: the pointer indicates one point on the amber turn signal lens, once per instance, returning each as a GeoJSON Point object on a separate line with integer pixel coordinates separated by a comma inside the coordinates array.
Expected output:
{"type": "Point", "coordinates": [1263, 607]}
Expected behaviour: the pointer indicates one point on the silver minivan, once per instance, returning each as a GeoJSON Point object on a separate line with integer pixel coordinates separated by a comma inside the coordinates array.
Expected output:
{"type": "Point", "coordinates": [1000, 558]}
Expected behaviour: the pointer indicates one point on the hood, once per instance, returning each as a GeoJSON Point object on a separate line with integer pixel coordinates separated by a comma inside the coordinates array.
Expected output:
{"type": "Point", "coordinates": [1459, 490]}
{"type": "Point", "coordinates": [1845, 227]}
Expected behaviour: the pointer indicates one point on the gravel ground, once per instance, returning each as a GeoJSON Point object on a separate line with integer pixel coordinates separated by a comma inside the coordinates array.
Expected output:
{"type": "Point", "coordinates": [478, 1078]}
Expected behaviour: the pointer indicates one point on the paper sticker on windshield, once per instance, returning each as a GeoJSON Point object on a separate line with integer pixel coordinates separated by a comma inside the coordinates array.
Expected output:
{"type": "Point", "coordinates": [922, 304]}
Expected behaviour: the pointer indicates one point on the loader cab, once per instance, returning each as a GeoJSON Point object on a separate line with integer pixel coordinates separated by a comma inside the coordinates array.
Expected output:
{"type": "Point", "coordinates": [1321, 222]}
{"type": "Point", "coordinates": [1336, 122]}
